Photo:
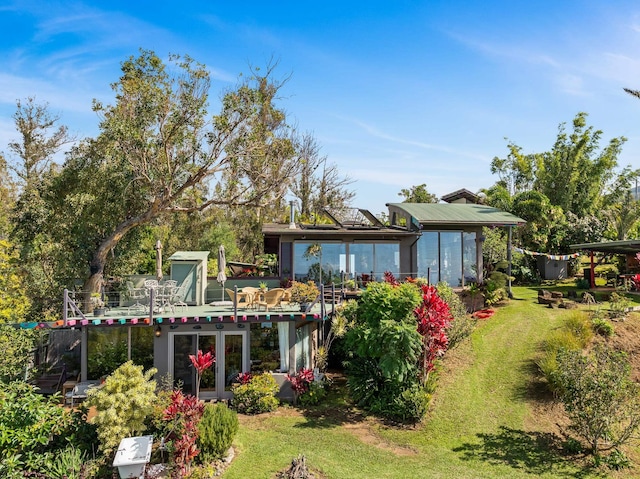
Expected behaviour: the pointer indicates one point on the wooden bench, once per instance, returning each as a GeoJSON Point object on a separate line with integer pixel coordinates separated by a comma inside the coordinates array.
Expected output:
{"type": "Point", "coordinates": [51, 382]}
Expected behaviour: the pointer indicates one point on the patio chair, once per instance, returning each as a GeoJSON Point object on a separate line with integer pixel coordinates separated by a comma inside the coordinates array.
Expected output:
{"type": "Point", "coordinates": [241, 297]}
{"type": "Point", "coordinates": [252, 294]}
{"type": "Point", "coordinates": [271, 299]}
{"type": "Point", "coordinates": [79, 392]}
{"type": "Point", "coordinates": [286, 296]}
{"type": "Point", "coordinates": [165, 293]}
{"type": "Point", "coordinates": [178, 299]}
{"type": "Point", "coordinates": [135, 294]}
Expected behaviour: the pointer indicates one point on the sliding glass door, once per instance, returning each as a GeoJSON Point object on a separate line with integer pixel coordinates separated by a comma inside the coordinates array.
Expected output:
{"type": "Point", "coordinates": [230, 349]}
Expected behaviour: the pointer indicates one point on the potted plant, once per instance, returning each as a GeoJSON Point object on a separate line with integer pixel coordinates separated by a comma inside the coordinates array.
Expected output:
{"type": "Point", "coordinates": [97, 304]}
{"type": "Point", "coordinates": [304, 293]}
{"type": "Point", "coordinates": [262, 286]}
{"type": "Point", "coordinates": [350, 284]}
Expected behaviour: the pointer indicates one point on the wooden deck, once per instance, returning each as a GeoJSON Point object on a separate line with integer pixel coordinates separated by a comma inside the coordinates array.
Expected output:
{"type": "Point", "coordinates": [216, 311]}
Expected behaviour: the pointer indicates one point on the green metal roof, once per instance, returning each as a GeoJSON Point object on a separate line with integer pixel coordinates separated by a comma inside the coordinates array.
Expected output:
{"type": "Point", "coordinates": [457, 214]}
{"type": "Point", "coordinates": [612, 247]}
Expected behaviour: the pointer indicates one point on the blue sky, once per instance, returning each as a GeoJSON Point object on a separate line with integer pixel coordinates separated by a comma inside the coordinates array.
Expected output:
{"type": "Point", "coordinates": [396, 93]}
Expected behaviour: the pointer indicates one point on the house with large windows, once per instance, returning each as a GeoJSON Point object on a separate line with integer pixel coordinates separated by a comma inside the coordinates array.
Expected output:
{"type": "Point", "coordinates": [438, 241]}
{"type": "Point", "coordinates": [442, 242]}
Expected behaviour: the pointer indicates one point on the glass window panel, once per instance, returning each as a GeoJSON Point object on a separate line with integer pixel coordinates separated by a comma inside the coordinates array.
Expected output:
{"type": "Point", "coordinates": [106, 351]}
{"type": "Point", "coordinates": [387, 258]}
{"type": "Point", "coordinates": [451, 258]}
{"type": "Point", "coordinates": [232, 358]}
{"type": "Point", "coordinates": [207, 343]}
{"type": "Point", "coordinates": [428, 258]}
{"type": "Point", "coordinates": [183, 371]}
{"type": "Point", "coordinates": [303, 347]}
{"type": "Point", "coordinates": [330, 260]}
{"type": "Point", "coordinates": [469, 258]}
{"type": "Point", "coordinates": [319, 262]}
{"type": "Point", "coordinates": [363, 259]}
{"type": "Point", "coordinates": [142, 346]}
{"type": "Point", "coordinates": [265, 347]}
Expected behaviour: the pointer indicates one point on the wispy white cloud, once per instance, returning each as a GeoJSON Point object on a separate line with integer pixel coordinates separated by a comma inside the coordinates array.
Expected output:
{"type": "Point", "coordinates": [510, 51]}
{"type": "Point", "coordinates": [375, 132]}
{"type": "Point", "coordinates": [13, 88]}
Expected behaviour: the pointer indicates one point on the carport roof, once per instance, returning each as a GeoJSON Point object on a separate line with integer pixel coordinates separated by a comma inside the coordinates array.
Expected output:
{"type": "Point", "coordinates": [611, 247]}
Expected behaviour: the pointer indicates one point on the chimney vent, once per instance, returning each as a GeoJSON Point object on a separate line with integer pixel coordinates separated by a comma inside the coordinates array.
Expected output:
{"type": "Point", "coordinates": [292, 215]}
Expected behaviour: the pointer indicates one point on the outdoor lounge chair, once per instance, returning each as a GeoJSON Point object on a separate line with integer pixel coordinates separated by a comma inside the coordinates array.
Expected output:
{"type": "Point", "coordinates": [271, 299]}
{"type": "Point", "coordinates": [79, 392]}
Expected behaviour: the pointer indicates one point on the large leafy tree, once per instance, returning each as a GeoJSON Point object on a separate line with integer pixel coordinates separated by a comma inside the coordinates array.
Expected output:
{"type": "Point", "coordinates": [41, 137]}
{"type": "Point", "coordinates": [159, 153]}
{"type": "Point", "coordinates": [576, 176]}
{"type": "Point", "coordinates": [576, 172]}
{"type": "Point", "coordinates": [13, 302]}
{"type": "Point", "coordinates": [31, 158]}
{"type": "Point", "coordinates": [319, 184]}
{"type": "Point", "coordinates": [7, 198]}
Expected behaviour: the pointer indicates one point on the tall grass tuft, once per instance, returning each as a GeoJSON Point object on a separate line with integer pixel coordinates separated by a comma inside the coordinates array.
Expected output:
{"type": "Point", "coordinates": [574, 335]}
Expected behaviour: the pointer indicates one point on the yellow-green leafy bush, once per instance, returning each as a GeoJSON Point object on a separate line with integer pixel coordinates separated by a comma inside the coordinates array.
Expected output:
{"type": "Point", "coordinates": [122, 404]}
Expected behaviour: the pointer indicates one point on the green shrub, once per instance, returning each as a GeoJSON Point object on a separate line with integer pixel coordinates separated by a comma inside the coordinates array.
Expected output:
{"type": "Point", "coordinates": [601, 400]}
{"type": "Point", "coordinates": [314, 395]}
{"type": "Point", "coordinates": [619, 304]}
{"type": "Point", "coordinates": [582, 283]}
{"type": "Point", "coordinates": [561, 339]}
{"type": "Point", "coordinates": [203, 471]}
{"type": "Point", "coordinates": [462, 324]}
{"type": "Point", "coordinates": [407, 406]}
{"type": "Point", "coordinates": [66, 464]}
{"type": "Point", "coordinates": [412, 405]}
{"type": "Point", "coordinates": [256, 396]}
{"type": "Point", "coordinates": [30, 425]}
{"type": "Point", "coordinates": [574, 335]}
{"type": "Point", "coordinates": [494, 291]}
{"type": "Point", "coordinates": [123, 404]}
{"type": "Point", "coordinates": [216, 431]}
{"type": "Point", "coordinates": [616, 460]}
{"type": "Point", "coordinates": [602, 327]}
{"type": "Point", "coordinates": [17, 346]}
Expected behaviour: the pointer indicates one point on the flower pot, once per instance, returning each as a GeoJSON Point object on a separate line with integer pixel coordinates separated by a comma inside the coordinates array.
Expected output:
{"type": "Point", "coordinates": [304, 306]}
{"type": "Point", "coordinates": [99, 311]}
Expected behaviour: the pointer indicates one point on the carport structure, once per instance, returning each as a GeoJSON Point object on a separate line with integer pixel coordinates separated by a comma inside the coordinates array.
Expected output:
{"type": "Point", "coordinates": [626, 247]}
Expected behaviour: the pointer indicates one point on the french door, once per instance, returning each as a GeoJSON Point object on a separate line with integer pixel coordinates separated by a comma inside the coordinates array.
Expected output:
{"type": "Point", "coordinates": [231, 350]}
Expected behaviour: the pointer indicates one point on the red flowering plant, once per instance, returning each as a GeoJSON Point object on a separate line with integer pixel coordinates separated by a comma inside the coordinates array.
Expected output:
{"type": "Point", "coordinates": [300, 382]}
{"type": "Point", "coordinates": [390, 278]}
{"type": "Point", "coordinates": [433, 317]}
{"type": "Point", "coordinates": [183, 415]}
{"type": "Point", "coordinates": [244, 378]}
{"type": "Point", "coordinates": [201, 362]}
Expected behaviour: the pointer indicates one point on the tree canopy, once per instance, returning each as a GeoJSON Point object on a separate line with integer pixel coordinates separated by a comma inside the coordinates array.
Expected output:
{"type": "Point", "coordinates": [556, 190]}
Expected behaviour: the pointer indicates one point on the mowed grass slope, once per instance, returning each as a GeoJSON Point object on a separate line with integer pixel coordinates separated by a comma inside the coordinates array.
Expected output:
{"type": "Point", "coordinates": [482, 423]}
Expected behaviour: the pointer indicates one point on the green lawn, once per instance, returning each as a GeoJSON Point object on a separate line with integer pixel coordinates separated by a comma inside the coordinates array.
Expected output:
{"type": "Point", "coordinates": [481, 425]}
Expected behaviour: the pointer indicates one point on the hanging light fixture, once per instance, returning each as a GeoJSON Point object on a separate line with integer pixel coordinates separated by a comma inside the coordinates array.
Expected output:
{"type": "Point", "coordinates": [158, 331]}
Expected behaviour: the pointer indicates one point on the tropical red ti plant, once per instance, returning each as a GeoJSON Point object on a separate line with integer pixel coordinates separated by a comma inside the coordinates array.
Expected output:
{"type": "Point", "coordinates": [300, 382]}
{"type": "Point", "coordinates": [433, 317]}
{"type": "Point", "coordinates": [201, 362]}
{"type": "Point", "coordinates": [183, 415]}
